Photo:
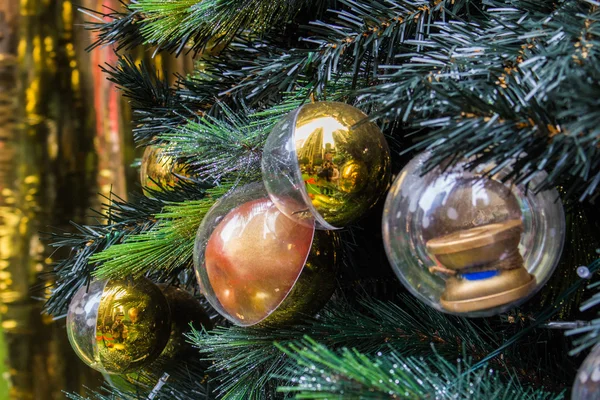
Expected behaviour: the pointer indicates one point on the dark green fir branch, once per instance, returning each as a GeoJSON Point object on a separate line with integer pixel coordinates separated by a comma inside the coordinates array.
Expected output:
{"type": "Point", "coordinates": [588, 335]}
{"type": "Point", "coordinates": [124, 218]}
{"type": "Point", "coordinates": [121, 219]}
{"type": "Point", "coordinates": [157, 107]}
{"type": "Point", "coordinates": [358, 39]}
{"type": "Point", "coordinates": [191, 25]}
{"type": "Point", "coordinates": [519, 81]}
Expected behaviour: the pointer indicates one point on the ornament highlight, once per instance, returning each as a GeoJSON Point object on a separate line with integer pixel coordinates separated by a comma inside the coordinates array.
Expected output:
{"type": "Point", "coordinates": [325, 163]}
{"type": "Point", "coordinates": [159, 171]}
{"type": "Point", "coordinates": [466, 243]}
{"type": "Point", "coordinates": [118, 326]}
{"type": "Point", "coordinates": [587, 381]}
{"type": "Point", "coordinates": [255, 265]}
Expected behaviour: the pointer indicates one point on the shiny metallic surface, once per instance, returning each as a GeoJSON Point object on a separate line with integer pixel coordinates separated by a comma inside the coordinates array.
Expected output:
{"type": "Point", "coordinates": [120, 326]}
{"type": "Point", "coordinates": [326, 161]}
{"type": "Point", "coordinates": [159, 171]}
{"type": "Point", "coordinates": [256, 265]}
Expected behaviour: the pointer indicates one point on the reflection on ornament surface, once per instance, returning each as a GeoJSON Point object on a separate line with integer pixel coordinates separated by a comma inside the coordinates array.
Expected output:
{"type": "Point", "coordinates": [326, 161]}
{"type": "Point", "coordinates": [255, 265]}
{"type": "Point", "coordinates": [587, 382]}
{"type": "Point", "coordinates": [118, 326]}
{"type": "Point", "coordinates": [467, 243]}
{"type": "Point", "coordinates": [159, 171]}
{"type": "Point", "coordinates": [253, 259]}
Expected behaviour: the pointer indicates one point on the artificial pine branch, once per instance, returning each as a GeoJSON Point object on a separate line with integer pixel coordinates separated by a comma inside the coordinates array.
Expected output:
{"type": "Point", "coordinates": [166, 249]}
{"type": "Point", "coordinates": [124, 218]}
{"type": "Point", "coordinates": [512, 83]}
{"type": "Point", "coordinates": [588, 335]}
{"type": "Point", "coordinates": [322, 373]}
{"type": "Point", "coordinates": [228, 144]}
{"type": "Point", "coordinates": [191, 25]}
{"type": "Point", "coordinates": [361, 37]}
{"type": "Point", "coordinates": [247, 364]}
{"type": "Point", "coordinates": [156, 105]}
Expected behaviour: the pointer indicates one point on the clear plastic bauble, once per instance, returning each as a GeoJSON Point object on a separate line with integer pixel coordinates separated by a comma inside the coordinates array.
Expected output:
{"type": "Point", "coordinates": [468, 243]}
{"type": "Point", "coordinates": [325, 165]}
{"type": "Point", "coordinates": [255, 265]}
{"type": "Point", "coordinates": [118, 326]}
{"type": "Point", "coordinates": [587, 382]}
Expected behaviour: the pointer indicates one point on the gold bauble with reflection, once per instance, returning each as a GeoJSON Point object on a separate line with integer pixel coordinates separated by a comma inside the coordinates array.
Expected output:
{"type": "Point", "coordinates": [342, 156]}
{"type": "Point", "coordinates": [159, 170]}
{"type": "Point", "coordinates": [119, 326]}
{"type": "Point", "coordinates": [264, 267]}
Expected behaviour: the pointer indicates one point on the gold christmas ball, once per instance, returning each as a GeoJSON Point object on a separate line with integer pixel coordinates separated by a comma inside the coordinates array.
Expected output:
{"type": "Point", "coordinates": [185, 310]}
{"type": "Point", "coordinates": [159, 171]}
{"type": "Point", "coordinates": [118, 326]}
{"type": "Point", "coordinates": [326, 150]}
{"type": "Point", "coordinates": [255, 265]}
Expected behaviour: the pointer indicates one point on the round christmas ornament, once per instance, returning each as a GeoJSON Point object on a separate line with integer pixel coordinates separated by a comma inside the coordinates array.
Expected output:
{"type": "Point", "coordinates": [464, 242]}
{"type": "Point", "coordinates": [325, 163]}
{"type": "Point", "coordinates": [159, 170]}
{"type": "Point", "coordinates": [587, 382]}
{"type": "Point", "coordinates": [118, 326]}
{"type": "Point", "coordinates": [185, 310]}
{"type": "Point", "coordinates": [255, 265]}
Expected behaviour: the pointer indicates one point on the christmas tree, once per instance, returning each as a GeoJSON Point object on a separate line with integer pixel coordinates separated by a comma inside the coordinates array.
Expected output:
{"type": "Point", "coordinates": [497, 103]}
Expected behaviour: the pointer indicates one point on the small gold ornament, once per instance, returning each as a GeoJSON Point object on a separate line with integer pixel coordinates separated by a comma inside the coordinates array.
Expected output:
{"type": "Point", "coordinates": [325, 161]}
{"type": "Point", "coordinates": [118, 326]}
{"type": "Point", "coordinates": [159, 171]}
{"type": "Point", "coordinates": [255, 265]}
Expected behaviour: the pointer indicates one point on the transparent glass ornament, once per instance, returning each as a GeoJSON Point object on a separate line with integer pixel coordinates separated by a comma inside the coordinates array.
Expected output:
{"type": "Point", "coordinates": [255, 265]}
{"type": "Point", "coordinates": [587, 381]}
{"type": "Point", "coordinates": [468, 243]}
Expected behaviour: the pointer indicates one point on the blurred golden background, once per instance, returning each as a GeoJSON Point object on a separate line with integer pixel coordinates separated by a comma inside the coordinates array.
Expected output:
{"type": "Point", "coordinates": [64, 140]}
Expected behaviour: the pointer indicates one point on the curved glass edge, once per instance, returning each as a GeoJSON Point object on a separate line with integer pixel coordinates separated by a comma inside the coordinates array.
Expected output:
{"type": "Point", "coordinates": [316, 165]}
{"type": "Point", "coordinates": [81, 322]}
{"type": "Point", "coordinates": [229, 202]}
{"type": "Point", "coordinates": [427, 287]}
{"type": "Point", "coordinates": [282, 177]}
{"type": "Point", "coordinates": [343, 162]}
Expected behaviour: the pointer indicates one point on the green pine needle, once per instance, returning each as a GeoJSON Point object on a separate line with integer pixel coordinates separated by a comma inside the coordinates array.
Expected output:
{"type": "Point", "coordinates": [322, 373]}
{"type": "Point", "coordinates": [166, 248]}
